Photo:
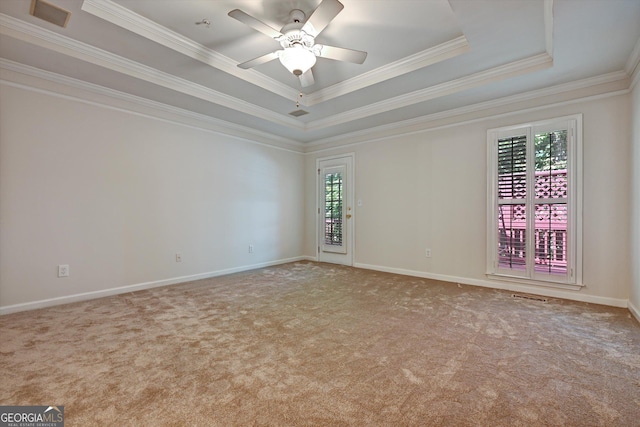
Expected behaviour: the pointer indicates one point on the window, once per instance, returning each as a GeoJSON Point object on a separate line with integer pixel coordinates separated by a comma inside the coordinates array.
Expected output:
{"type": "Point", "coordinates": [333, 209]}
{"type": "Point", "coordinates": [534, 230]}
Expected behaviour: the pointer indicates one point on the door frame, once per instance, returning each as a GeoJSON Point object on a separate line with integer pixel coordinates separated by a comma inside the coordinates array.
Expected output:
{"type": "Point", "coordinates": [350, 159]}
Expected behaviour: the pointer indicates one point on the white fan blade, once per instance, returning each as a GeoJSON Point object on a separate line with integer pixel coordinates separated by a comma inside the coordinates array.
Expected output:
{"type": "Point", "coordinates": [259, 60]}
{"type": "Point", "coordinates": [342, 54]}
{"type": "Point", "coordinates": [322, 16]}
{"type": "Point", "coordinates": [306, 79]}
{"type": "Point", "coordinates": [255, 23]}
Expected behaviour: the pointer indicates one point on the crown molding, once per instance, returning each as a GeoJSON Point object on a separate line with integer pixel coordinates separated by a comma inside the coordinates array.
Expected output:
{"type": "Point", "coordinates": [548, 26]}
{"type": "Point", "coordinates": [207, 123]}
{"type": "Point", "coordinates": [153, 109]}
{"type": "Point", "coordinates": [62, 44]}
{"type": "Point", "coordinates": [632, 67]}
{"type": "Point", "coordinates": [131, 21]}
{"type": "Point", "coordinates": [423, 129]}
{"type": "Point", "coordinates": [425, 123]}
{"type": "Point", "coordinates": [50, 40]}
{"type": "Point", "coordinates": [414, 62]}
{"type": "Point", "coordinates": [635, 78]}
{"type": "Point", "coordinates": [528, 65]}
{"type": "Point", "coordinates": [47, 39]}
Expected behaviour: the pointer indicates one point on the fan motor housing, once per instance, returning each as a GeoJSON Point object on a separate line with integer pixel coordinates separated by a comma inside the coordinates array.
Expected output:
{"type": "Point", "coordinates": [292, 32]}
{"type": "Point", "coordinates": [296, 37]}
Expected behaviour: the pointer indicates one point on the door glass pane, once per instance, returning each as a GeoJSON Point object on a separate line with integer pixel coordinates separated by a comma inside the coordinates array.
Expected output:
{"type": "Point", "coordinates": [333, 209]}
{"type": "Point", "coordinates": [512, 168]}
{"type": "Point", "coordinates": [512, 227]}
{"type": "Point", "coordinates": [551, 165]}
{"type": "Point", "coordinates": [551, 238]}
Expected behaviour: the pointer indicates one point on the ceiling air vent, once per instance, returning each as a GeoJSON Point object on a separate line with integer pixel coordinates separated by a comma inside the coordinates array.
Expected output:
{"type": "Point", "coordinates": [298, 113]}
{"type": "Point", "coordinates": [50, 13]}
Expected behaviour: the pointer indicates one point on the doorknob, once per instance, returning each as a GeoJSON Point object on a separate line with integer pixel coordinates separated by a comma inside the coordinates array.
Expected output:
{"type": "Point", "coordinates": [348, 216]}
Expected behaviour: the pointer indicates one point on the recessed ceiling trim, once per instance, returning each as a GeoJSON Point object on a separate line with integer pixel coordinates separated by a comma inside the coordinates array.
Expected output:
{"type": "Point", "coordinates": [425, 123]}
{"type": "Point", "coordinates": [524, 66]}
{"type": "Point", "coordinates": [406, 65]}
{"type": "Point", "coordinates": [127, 19]}
{"type": "Point", "coordinates": [174, 114]}
{"type": "Point", "coordinates": [418, 124]}
{"type": "Point", "coordinates": [38, 36]}
{"type": "Point", "coordinates": [62, 44]}
{"type": "Point", "coordinates": [632, 63]}
{"type": "Point", "coordinates": [131, 21]}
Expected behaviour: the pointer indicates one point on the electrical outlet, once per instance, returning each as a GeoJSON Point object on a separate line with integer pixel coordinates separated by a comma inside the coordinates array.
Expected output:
{"type": "Point", "coordinates": [250, 249]}
{"type": "Point", "coordinates": [63, 271]}
{"type": "Point", "coordinates": [427, 253]}
{"type": "Point", "coordinates": [178, 257]}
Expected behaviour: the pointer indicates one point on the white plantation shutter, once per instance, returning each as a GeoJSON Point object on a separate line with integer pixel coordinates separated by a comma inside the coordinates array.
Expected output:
{"type": "Point", "coordinates": [512, 194]}
{"type": "Point", "coordinates": [533, 229]}
{"type": "Point", "coordinates": [551, 219]}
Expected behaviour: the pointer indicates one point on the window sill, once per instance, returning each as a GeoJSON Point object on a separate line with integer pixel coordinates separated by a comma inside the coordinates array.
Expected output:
{"type": "Point", "coordinates": [525, 281]}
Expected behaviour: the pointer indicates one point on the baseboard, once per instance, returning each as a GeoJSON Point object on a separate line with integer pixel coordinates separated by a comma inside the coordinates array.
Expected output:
{"type": "Point", "coordinates": [504, 285]}
{"type": "Point", "coordinates": [137, 287]}
{"type": "Point", "coordinates": [446, 278]}
{"type": "Point", "coordinates": [634, 311]}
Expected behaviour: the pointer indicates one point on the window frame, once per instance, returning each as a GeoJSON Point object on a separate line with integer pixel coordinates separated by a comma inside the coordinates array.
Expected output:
{"type": "Point", "coordinates": [573, 278]}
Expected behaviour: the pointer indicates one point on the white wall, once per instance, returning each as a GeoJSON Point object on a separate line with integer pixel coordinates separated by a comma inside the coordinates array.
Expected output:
{"type": "Point", "coordinates": [634, 302]}
{"type": "Point", "coordinates": [116, 195]}
{"type": "Point", "coordinates": [429, 190]}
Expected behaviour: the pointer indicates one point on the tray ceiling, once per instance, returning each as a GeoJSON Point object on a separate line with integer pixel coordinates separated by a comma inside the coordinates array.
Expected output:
{"type": "Point", "coordinates": [424, 57]}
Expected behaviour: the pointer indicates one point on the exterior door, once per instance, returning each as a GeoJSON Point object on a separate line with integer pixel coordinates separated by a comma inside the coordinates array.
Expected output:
{"type": "Point", "coordinates": [335, 210]}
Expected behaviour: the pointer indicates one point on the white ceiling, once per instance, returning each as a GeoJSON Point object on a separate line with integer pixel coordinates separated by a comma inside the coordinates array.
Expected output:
{"type": "Point", "coordinates": [424, 56]}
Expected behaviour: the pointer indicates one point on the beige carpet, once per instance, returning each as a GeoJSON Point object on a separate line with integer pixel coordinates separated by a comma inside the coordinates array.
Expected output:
{"type": "Point", "coordinates": [308, 344]}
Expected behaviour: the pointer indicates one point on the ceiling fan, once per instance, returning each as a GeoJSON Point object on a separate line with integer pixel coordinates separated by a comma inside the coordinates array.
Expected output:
{"type": "Point", "coordinates": [297, 38]}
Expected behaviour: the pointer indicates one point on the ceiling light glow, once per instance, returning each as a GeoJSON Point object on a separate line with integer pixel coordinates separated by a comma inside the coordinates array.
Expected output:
{"type": "Point", "coordinates": [297, 59]}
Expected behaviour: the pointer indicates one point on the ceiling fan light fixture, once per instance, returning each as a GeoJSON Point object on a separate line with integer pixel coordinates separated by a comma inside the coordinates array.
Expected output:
{"type": "Point", "coordinates": [297, 59]}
